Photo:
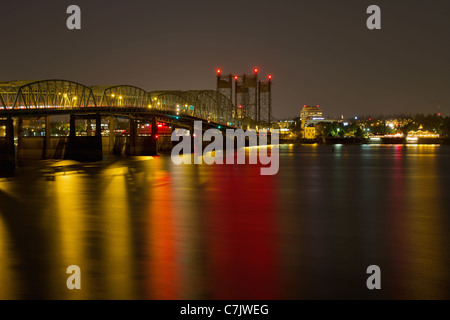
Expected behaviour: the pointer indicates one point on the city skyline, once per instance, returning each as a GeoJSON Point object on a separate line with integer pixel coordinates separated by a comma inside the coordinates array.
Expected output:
{"type": "Point", "coordinates": [318, 53]}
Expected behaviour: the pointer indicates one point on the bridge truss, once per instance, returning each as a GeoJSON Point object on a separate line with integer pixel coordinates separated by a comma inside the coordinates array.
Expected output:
{"type": "Point", "coordinates": [58, 94]}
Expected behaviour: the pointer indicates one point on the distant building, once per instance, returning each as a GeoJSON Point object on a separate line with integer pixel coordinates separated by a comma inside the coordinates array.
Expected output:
{"type": "Point", "coordinates": [310, 116]}
{"type": "Point", "coordinates": [415, 135]}
{"type": "Point", "coordinates": [309, 133]}
{"type": "Point", "coordinates": [285, 128]}
{"type": "Point", "coordinates": [311, 113]}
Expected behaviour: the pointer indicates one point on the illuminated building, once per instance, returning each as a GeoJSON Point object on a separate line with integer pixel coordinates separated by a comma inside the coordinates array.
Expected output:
{"type": "Point", "coordinates": [413, 136]}
{"type": "Point", "coordinates": [311, 113]}
{"type": "Point", "coordinates": [285, 129]}
{"type": "Point", "coordinates": [310, 133]}
{"type": "Point", "coordinates": [310, 116]}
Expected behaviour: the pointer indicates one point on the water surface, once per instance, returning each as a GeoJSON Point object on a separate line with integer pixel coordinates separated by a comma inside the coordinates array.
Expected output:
{"type": "Point", "coordinates": [143, 228]}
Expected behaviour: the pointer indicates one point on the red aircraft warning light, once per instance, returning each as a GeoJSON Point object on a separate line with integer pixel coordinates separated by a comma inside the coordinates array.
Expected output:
{"type": "Point", "coordinates": [219, 71]}
{"type": "Point", "coordinates": [255, 70]}
{"type": "Point", "coordinates": [270, 77]}
{"type": "Point", "coordinates": [236, 77]}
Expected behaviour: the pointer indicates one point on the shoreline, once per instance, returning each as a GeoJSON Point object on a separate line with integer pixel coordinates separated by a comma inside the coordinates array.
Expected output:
{"type": "Point", "coordinates": [353, 141]}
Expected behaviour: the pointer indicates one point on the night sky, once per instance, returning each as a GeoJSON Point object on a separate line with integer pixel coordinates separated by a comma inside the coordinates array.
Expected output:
{"type": "Point", "coordinates": [319, 52]}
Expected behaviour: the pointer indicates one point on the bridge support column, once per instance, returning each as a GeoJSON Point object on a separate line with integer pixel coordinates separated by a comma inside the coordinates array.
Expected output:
{"type": "Point", "coordinates": [47, 143]}
{"type": "Point", "coordinates": [112, 134]}
{"type": "Point", "coordinates": [155, 137]}
{"type": "Point", "coordinates": [197, 145]}
{"type": "Point", "coordinates": [88, 127]}
{"type": "Point", "coordinates": [142, 145]}
{"type": "Point", "coordinates": [98, 126]}
{"type": "Point", "coordinates": [72, 129]}
{"type": "Point", "coordinates": [86, 148]}
{"type": "Point", "coordinates": [7, 150]}
{"type": "Point", "coordinates": [131, 145]}
{"type": "Point", "coordinates": [191, 132]}
{"type": "Point", "coordinates": [19, 138]}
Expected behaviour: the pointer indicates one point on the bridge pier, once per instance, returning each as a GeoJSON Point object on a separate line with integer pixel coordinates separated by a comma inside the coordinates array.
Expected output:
{"type": "Point", "coordinates": [142, 145]}
{"type": "Point", "coordinates": [19, 137]}
{"type": "Point", "coordinates": [131, 143]}
{"type": "Point", "coordinates": [34, 147]}
{"type": "Point", "coordinates": [154, 138]}
{"type": "Point", "coordinates": [85, 142]}
{"type": "Point", "coordinates": [112, 134]}
{"type": "Point", "coordinates": [47, 142]}
{"type": "Point", "coordinates": [85, 148]}
{"type": "Point", "coordinates": [7, 149]}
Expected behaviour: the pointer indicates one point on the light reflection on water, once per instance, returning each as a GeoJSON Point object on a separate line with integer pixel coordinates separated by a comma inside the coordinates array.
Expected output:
{"type": "Point", "coordinates": [143, 228]}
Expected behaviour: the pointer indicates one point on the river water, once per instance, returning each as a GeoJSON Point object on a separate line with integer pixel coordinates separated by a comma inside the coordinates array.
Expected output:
{"type": "Point", "coordinates": [144, 228]}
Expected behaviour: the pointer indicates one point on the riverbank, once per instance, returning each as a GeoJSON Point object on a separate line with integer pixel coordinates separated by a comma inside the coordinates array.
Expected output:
{"type": "Point", "coordinates": [353, 140]}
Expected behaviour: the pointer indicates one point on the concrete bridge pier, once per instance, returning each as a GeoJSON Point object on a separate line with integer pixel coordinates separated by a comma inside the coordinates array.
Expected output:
{"type": "Point", "coordinates": [130, 149]}
{"type": "Point", "coordinates": [138, 145]}
{"type": "Point", "coordinates": [112, 134]}
{"type": "Point", "coordinates": [85, 148]}
{"type": "Point", "coordinates": [153, 147]}
{"type": "Point", "coordinates": [165, 143]}
{"type": "Point", "coordinates": [110, 143]}
{"type": "Point", "coordinates": [7, 149]}
{"type": "Point", "coordinates": [39, 147]}
{"type": "Point", "coordinates": [19, 138]}
{"type": "Point", "coordinates": [47, 141]}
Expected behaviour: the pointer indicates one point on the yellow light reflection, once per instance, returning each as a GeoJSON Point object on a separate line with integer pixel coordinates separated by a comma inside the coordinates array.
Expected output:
{"type": "Point", "coordinates": [427, 274]}
{"type": "Point", "coordinates": [8, 281]}
{"type": "Point", "coordinates": [117, 236]}
{"type": "Point", "coordinates": [69, 200]}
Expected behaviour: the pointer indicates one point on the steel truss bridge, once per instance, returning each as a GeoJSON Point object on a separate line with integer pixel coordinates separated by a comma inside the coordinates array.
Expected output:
{"type": "Point", "coordinates": [53, 97]}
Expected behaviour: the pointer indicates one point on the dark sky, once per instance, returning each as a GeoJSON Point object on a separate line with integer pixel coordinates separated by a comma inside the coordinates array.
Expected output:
{"type": "Point", "coordinates": [319, 52]}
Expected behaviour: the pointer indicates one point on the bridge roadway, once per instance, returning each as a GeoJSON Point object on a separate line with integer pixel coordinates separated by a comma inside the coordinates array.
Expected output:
{"type": "Point", "coordinates": [184, 120]}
